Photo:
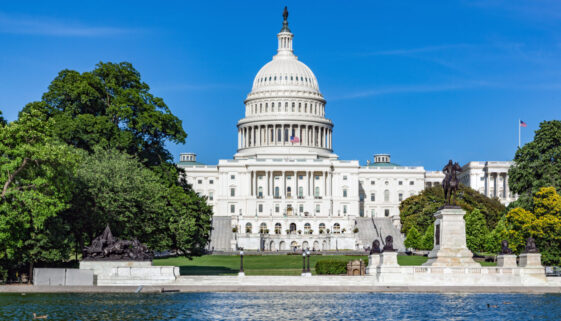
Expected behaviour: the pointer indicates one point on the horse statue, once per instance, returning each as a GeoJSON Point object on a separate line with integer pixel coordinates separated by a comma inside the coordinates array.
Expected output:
{"type": "Point", "coordinates": [450, 182]}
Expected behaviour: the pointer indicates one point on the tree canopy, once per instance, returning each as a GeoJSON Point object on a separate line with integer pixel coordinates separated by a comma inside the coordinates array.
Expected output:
{"type": "Point", "coordinates": [537, 164]}
{"type": "Point", "coordinates": [418, 210]}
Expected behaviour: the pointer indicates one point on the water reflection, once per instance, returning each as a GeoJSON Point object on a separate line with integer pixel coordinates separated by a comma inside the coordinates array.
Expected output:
{"type": "Point", "coordinates": [280, 306]}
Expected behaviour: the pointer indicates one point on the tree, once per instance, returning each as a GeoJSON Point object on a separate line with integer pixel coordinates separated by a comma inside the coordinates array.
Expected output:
{"type": "Point", "coordinates": [476, 230]}
{"type": "Point", "coordinates": [495, 237]}
{"type": "Point", "coordinates": [537, 164]}
{"type": "Point", "coordinates": [543, 224]}
{"type": "Point", "coordinates": [427, 242]}
{"type": "Point", "coordinates": [418, 210]}
{"type": "Point", "coordinates": [111, 107]}
{"type": "Point", "coordinates": [115, 188]}
{"type": "Point", "coordinates": [35, 177]}
{"type": "Point", "coordinates": [413, 239]}
{"type": "Point", "coordinates": [3, 122]}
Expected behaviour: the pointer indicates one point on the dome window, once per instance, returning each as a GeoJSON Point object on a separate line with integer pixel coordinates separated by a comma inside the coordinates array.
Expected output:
{"type": "Point", "coordinates": [269, 78]}
{"type": "Point", "coordinates": [275, 78]}
{"type": "Point", "coordinates": [291, 78]}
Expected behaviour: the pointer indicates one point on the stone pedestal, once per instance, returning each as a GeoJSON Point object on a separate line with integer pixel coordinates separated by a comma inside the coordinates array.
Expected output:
{"type": "Point", "coordinates": [506, 260]}
{"type": "Point", "coordinates": [389, 259]}
{"type": "Point", "coordinates": [450, 248]}
{"type": "Point", "coordinates": [530, 260]}
{"type": "Point", "coordinates": [373, 263]}
{"type": "Point", "coordinates": [241, 273]}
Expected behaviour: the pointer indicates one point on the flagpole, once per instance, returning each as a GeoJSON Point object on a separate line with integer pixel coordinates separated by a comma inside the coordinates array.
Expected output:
{"type": "Point", "coordinates": [518, 132]}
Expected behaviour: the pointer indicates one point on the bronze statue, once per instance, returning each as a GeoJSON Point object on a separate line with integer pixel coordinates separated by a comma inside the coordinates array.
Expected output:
{"type": "Point", "coordinates": [389, 244]}
{"type": "Point", "coordinates": [450, 182]}
{"type": "Point", "coordinates": [375, 247]}
{"type": "Point", "coordinates": [504, 247]}
{"type": "Point", "coordinates": [531, 246]}
{"type": "Point", "coordinates": [107, 247]}
{"type": "Point", "coordinates": [285, 13]}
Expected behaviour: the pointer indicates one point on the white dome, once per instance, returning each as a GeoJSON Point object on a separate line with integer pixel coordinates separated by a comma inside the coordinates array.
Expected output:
{"type": "Point", "coordinates": [283, 72]}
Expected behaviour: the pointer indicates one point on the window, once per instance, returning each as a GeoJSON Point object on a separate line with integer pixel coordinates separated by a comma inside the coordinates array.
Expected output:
{"type": "Point", "coordinates": [288, 177]}
{"type": "Point", "coordinates": [322, 227]}
{"type": "Point", "coordinates": [211, 181]}
{"type": "Point", "coordinates": [232, 208]}
{"type": "Point", "coordinates": [317, 177]}
{"type": "Point", "coordinates": [387, 212]}
{"type": "Point", "coordinates": [200, 181]}
{"type": "Point", "coordinates": [336, 228]}
{"type": "Point", "coordinates": [300, 192]}
{"type": "Point", "coordinates": [400, 182]}
{"type": "Point", "coordinates": [372, 182]}
{"type": "Point", "coordinates": [345, 177]}
{"type": "Point", "coordinates": [361, 197]}
{"type": "Point", "coordinates": [400, 196]}
{"type": "Point", "coordinates": [278, 228]}
{"type": "Point", "coordinates": [210, 196]}
{"type": "Point", "coordinates": [285, 134]}
{"type": "Point", "coordinates": [386, 182]}
{"type": "Point", "coordinates": [277, 208]}
{"type": "Point", "coordinates": [316, 191]}
{"type": "Point", "coordinates": [307, 228]}
{"type": "Point", "coordinates": [317, 208]}
{"type": "Point", "coordinates": [344, 209]}
{"type": "Point", "coordinates": [289, 192]}
{"type": "Point", "coordinates": [277, 192]}
{"type": "Point", "coordinates": [260, 207]}
{"type": "Point", "coordinates": [345, 192]}
{"type": "Point", "coordinates": [263, 228]}
{"type": "Point", "coordinates": [411, 183]}
{"type": "Point", "coordinates": [373, 212]}
{"type": "Point", "coordinates": [248, 227]}
{"type": "Point", "coordinates": [260, 192]}
{"type": "Point", "coordinates": [301, 208]}
{"type": "Point", "coordinates": [372, 197]}
{"type": "Point", "coordinates": [232, 176]}
{"type": "Point", "coordinates": [300, 177]}
{"type": "Point", "coordinates": [232, 192]}
{"type": "Point", "coordinates": [386, 196]}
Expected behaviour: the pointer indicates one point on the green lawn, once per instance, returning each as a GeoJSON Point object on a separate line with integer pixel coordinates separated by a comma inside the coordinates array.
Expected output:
{"type": "Point", "coordinates": [265, 264]}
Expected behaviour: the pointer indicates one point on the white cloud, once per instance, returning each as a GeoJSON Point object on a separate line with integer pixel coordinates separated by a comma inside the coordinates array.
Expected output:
{"type": "Point", "coordinates": [28, 25]}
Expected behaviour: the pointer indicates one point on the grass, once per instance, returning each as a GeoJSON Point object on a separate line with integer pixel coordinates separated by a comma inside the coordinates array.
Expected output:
{"type": "Point", "coordinates": [266, 264]}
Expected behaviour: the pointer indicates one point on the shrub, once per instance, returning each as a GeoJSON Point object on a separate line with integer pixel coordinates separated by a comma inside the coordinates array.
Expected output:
{"type": "Point", "coordinates": [413, 239]}
{"type": "Point", "coordinates": [427, 242]}
{"type": "Point", "coordinates": [234, 229]}
{"type": "Point", "coordinates": [331, 267]}
{"type": "Point", "coordinates": [355, 230]}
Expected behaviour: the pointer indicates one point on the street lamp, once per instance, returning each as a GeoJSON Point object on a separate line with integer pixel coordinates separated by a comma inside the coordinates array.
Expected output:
{"type": "Point", "coordinates": [304, 262]}
{"type": "Point", "coordinates": [308, 253]}
{"type": "Point", "coordinates": [241, 273]}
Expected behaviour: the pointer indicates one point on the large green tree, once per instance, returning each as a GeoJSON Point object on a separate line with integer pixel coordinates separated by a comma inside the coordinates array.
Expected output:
{"type": "Point", "coordinates": [36, 173]}
{"type": "Point", "coordinates": [112, 107]}
{"type": "Point", "coordinates": [537, 164]}
{"type": "Point", "coordinates": [476, 230]}
{"type": "Point", "coordinates": [418, 210]}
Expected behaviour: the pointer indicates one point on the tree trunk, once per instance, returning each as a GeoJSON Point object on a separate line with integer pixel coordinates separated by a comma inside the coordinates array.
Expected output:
{"type": "Point", "coordinates": [30, 276]}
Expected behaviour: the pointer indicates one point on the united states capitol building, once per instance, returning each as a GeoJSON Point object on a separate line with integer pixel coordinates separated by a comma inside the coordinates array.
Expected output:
{"type": "Point", "coordinates": [285, 188]}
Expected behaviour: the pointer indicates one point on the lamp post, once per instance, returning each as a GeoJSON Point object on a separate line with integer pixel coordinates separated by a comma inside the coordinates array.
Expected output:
{"type": "Point", "coordinates": [308, 253]}
{"type": "Point", "coordinates": [303, 262]}
{"type": "Point", "coordinates": [241, 273]}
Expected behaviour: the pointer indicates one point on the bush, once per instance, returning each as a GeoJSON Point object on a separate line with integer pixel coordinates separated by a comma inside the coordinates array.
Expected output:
{"type": "Point", "coordinates": [427, 242]}
{"type": "Point", "coordinates": [413, 239]}
{"type": "Point", "coordinates": [331, 267]}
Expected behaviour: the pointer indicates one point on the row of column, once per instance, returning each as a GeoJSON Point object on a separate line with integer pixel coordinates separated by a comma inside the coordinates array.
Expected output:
{"type": "Point", "coordinates": [309, 184]}
{"type": "Point", "coordinates": [280, 135]}
{"type": "Point", "coordinates": [494, 178]}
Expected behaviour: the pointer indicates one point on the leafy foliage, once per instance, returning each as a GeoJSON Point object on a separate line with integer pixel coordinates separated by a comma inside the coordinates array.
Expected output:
{"type": "Point", "coordinates": [413, 239]}
{"type": "Point", "coordinates": [537, 164]}
{"type": "Point", "coordinates": [543, 224]}
{"type": "Point", "coordinates": [427, 241]}
{"type": "Point", "coordinates": [476, 230]}
{"type": "Point", "coordinates": [331, 267]}
{"type": "Point", "coordinates": [418, 210]}
{"type": "Point", "coordinates": [36, 177]}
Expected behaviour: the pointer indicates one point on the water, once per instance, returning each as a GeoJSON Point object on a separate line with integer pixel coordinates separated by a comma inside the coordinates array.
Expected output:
{"type": "Point", "coordinates": [280, 306]}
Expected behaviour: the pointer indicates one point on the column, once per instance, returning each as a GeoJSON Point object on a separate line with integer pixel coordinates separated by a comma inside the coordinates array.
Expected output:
{"type": "Point", "coordinates": [325, 184]}
{"type": "Point", "coordinates": [239, 139]}
{"type": "Point", "coordinates": [251, 183]}
{"type": "Point", "coordinates": [296, 184]}
{"type": "Point", "coordinates": [487, 184]}
{"type": "Point", "coordinates": [283, 185]}
{"type": "Point", "coordinates": [308, 182]}
{"type": "Point", "coordinates": [507, 190]}
{"type": "Point", "coordinates": [496, 184]}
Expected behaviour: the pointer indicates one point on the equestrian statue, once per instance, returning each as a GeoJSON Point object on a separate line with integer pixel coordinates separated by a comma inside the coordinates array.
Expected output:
{"type": "Point", "coordinates": [450, 183]}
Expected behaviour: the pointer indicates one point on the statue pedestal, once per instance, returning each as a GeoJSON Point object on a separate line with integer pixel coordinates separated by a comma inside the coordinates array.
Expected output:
{"type": "Point", "coordinates": [530, 260]}
{"type": "Point", "coordinates": [450, 248]}
{"type": "Point", "coordinates": [506, 260]}
{"type": "Point", "coordinates": [389, 259]}
{"type": "Point", "coordinates": [373, 263]}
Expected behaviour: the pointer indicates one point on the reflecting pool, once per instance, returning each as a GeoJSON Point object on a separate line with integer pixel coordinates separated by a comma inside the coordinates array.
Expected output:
{"type": "Point", "coordinates": [281, 306]}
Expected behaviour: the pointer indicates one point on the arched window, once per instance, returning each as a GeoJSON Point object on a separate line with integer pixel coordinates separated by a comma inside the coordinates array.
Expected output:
{"type": "Point", "coordinates": [248, 227]}
{"type": "Point", "coordinates": [299, 107]}
{"type": "Point", "coordinates": [288, 192]}
{"type": "Point", "coordinates": [278, 228]}
{"type": "Point", "coordinates": [336, 228]}
{"type": "Point", "coordinates": [387, 195]}
{"type": "Point", "coordinates": [263, 228]}
{"type": "Point", "coordinates": [307, 228]}
{"type": "Point", "coordinates": [292, 227]}
{"type": "Point", "coordinates": [321, 228]}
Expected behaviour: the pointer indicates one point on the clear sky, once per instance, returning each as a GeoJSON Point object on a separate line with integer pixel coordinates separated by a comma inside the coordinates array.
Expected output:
{"type": "Point", "coordinates": [423, 80]}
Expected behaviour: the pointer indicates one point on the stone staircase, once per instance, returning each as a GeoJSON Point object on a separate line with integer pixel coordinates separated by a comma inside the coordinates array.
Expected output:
{"type": "Point", "coordinates": [221, 233]}
{"type": "Point", "coordinates": [370, 229]}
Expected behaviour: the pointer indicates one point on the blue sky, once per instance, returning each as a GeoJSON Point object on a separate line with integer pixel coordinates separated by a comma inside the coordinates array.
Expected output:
{"type": "Point", "coordinates": [398, 76]}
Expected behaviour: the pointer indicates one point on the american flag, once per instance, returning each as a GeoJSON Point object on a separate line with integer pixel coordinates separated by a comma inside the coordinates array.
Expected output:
{"type": "Point", "coordinates": [294, 139]}
{"type": "Point", "coordinates": [522, 123]}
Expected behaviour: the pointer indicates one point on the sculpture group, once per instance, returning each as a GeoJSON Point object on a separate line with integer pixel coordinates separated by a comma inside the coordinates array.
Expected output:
{"type": "Point", "coordinates": [107, 247]}
{"type": "Point", "coordinates": [450, 183]}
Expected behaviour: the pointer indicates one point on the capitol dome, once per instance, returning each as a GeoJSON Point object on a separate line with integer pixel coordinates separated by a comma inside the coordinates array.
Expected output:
{"type": "Point", "coordinates": [285, 111]}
